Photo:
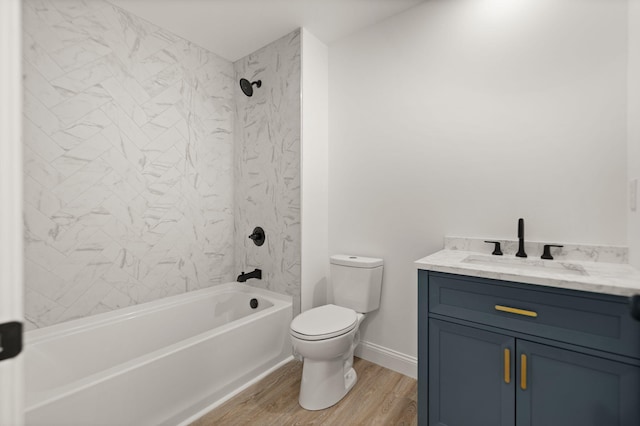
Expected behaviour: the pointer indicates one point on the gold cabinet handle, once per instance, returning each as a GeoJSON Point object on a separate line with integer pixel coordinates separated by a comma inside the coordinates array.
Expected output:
{"type": "Point", "coordinates": [507, 365]}
{"type": "Point", "coordinates": [516, 311]}
{"type": "Point", "coordinates": [523, 372]}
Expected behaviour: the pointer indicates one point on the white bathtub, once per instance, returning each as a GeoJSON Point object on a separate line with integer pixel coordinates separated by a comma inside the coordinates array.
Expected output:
{"type": "Point", "coordinates": [159, 363]}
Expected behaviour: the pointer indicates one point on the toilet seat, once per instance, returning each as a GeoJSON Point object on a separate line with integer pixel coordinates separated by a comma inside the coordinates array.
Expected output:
{"type": "Point", "coordinates": [324, 322]}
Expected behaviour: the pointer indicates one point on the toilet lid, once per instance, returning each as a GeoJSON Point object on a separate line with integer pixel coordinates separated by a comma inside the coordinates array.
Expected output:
{"type": "Point", "coordinates": [324, 322]}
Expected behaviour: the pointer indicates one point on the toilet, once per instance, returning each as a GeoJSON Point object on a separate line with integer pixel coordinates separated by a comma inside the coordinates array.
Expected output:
{"type": "Point", "coordinates": [325, 337]}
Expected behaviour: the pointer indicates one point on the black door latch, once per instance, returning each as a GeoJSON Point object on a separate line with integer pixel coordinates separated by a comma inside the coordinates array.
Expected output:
{"type": "Point", "coordinates": [634, 302]}
{"type": "Point", "coordinates": [10, 340]}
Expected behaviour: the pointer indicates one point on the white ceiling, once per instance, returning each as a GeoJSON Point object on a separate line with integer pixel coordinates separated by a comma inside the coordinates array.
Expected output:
{"type": "Point", "coordinates": [235, 28]}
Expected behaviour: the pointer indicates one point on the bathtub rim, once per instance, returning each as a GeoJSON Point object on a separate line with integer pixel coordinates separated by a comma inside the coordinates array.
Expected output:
{"type": "Point", "coordinates": [79, 324]}
{"type": "Point", "coordinates": [280, 302]}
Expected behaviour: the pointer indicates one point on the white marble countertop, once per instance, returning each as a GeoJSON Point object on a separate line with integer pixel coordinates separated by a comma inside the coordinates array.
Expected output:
{"type": "Point", "coordinates": [601, 277]}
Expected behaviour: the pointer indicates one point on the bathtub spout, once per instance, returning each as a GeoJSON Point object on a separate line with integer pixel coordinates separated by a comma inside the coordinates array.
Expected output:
{"type": "Point", "coordinates": [256, 273]}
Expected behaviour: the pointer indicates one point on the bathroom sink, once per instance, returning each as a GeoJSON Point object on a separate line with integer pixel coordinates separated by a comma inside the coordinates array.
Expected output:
{"type": "Point", "coordinates": [550, 266]}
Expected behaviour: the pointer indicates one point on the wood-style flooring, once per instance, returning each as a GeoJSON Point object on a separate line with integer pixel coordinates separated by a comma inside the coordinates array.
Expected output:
{"type": "Point", "coordinates": [380, 397]}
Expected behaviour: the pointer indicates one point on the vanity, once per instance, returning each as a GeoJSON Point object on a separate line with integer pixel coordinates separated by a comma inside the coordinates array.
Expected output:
{"type": "Point", "coordinates": [504, 341]}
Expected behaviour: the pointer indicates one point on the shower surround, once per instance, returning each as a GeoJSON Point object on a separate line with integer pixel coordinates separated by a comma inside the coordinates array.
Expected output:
{"type": "Point", "coordinates": [129, 163]}
{"type": "Point", "coordinates": [267, 179]}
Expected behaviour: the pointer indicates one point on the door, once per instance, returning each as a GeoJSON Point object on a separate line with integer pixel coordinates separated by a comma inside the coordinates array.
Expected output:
{"type": "Point", "coordinates": [470, 376]}
{"type": "Point", "coordinates": [558, 387]}
{"type": "Point", "coordinates": [11, 263]}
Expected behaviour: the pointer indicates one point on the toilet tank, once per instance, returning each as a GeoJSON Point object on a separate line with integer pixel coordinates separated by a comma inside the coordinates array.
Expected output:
{"type": "Point", "coordinates": [356, 282]}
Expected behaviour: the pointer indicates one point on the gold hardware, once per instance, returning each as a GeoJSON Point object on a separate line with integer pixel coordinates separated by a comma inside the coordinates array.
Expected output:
{"type": "Point", "coordinates": [507, 365]}
{"type": "Point", "coordinates": [516, 311]}
{"type": "Point", "coordinates": [523, 372]}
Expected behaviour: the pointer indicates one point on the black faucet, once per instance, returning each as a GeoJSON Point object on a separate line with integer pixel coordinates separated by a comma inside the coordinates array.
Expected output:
{"type": "Point", "coordinates": [521, 252]}
{"type": "Point", "coordinates": [256, 273]}
{"type": "Point", "coordinates": [546, 252]}
{"type": "Point", "coordinates": [496, 248]}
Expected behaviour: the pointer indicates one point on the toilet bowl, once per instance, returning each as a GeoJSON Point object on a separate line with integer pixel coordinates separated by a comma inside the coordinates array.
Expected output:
{"type": "Point", "coordinates": [325, 337]}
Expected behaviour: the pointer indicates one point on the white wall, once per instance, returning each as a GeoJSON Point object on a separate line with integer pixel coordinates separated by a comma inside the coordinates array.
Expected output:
{"type": "Point", "coordinates": [314, 170]}
{"type": "Point", "coordinates": [633, 127]}
{"type": "Point", "coordinates": [457, 118]}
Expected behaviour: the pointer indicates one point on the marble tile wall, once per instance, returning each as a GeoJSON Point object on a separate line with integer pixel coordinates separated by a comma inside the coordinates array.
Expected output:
{"type": "Point", "coordinates": [128, 134]}
{"type": "Point", "coordinates": [267, 180]}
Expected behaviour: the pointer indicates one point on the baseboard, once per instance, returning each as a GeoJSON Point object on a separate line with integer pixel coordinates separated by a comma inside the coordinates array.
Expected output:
{"type": "Point", "coordinates": [388, 358]}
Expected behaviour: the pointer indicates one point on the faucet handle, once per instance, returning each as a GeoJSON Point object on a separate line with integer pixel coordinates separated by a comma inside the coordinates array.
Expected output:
{"type": "Point", "coordinates": [546, 252]}
{"type": "Point", "coordinates": [257, 236]}
{"type": "Point", "coordinates": [496, 248]}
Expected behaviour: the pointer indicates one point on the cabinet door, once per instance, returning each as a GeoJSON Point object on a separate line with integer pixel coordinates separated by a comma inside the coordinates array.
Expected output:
{"type": "Point", "coordinates": [558, 387]}
{"type": "Point", "coordinates": [471, 379]}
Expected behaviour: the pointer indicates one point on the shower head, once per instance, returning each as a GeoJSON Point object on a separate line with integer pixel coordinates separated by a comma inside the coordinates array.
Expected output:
{"type": "Point", "coordinates": [247, 87]}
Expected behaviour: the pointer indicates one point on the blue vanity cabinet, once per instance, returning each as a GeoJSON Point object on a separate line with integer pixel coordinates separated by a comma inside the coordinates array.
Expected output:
{"type": "Point", "coordinates": [499, 353]}
{"type": "Point", "coordinates": [568, 388]}
{"type": "Point", "coordinates": [471, 379]}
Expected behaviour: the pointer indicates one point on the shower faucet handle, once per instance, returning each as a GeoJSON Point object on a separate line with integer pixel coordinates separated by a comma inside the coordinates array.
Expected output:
{"type": "Point", "coordinates": [496, 248]}
{"type": "Point", "coordinates": [258, 236]}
